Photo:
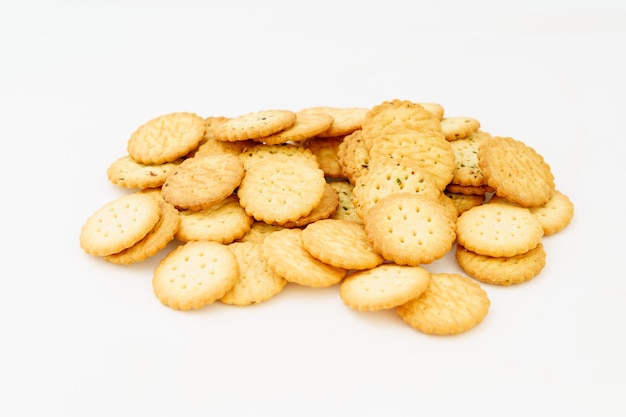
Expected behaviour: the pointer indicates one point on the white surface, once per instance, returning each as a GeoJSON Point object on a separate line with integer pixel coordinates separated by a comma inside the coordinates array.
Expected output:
{"type": "Point", "coordinates": [83, 337]}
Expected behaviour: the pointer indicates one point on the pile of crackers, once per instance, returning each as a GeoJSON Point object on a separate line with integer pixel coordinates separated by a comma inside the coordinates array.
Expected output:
{"type": "Point", "coordinates": [359, 198]}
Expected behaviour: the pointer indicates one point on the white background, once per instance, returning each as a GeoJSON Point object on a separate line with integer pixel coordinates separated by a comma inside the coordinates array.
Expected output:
{"type": "Point", "coordinates": [82, 337]}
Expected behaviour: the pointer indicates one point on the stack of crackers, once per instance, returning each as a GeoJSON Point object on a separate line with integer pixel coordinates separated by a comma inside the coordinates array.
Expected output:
{"type": "Point", "coordinates": [359, 198]}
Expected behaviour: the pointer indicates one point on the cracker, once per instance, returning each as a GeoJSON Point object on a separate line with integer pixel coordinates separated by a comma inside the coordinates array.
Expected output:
{"type": "Point", "coordinates": [323, 210]}
{"type": "Point", "coordinates": [281, 191]}
{"type": "Point", "coordinates": [223, 222]}
{"type": "Point", "coordinates": [459, 127]}
{"type": "Point", "coordinates": [428, 149]}
{"type": "Point", "coordinates": [516, 171]}
{"type": "Point", "coordinates": [345, 207]}
{"type": "Point", "coordinates": [383, 287]}
{"type": "Point", "coordinates": [270, 154]}
{"type": "Point", "coordinates": [194, 275]}
{"type": "Point", "coordinates": [308, 124]}
{"type": "Point", "coordinates": [166, 138]}
{"type": "Point", "coordinates": [345, 119]}
{"type": "Point", "coordinates": [256, 282]}
{"type": "Point", "coordinates": [436, 109]}
{"type": "Point", "coordinates": [466, 168]}
{"type": "Point", "coordinates": [388, 116]}
{"type": "Point", "coordinates": [502, 270]}
{"type": "Point", "coordinates": [340, 243]}
{"type": "Point", "coordinates": [157, 238]}
{"type": "Point", "coordinates": [464, 202]}
{"type": "Point", "coordinates": [119, 224]}
{"type": "Point", "coordinates": [452, 304]}
{"type": "Point", "coordinates": [481, 190]}
{"type": "Point", "coordinates": [128, 173]}
{"type": "Point", "coordinates": [259, 231]}
{"type": "Point", "coordinates": [325, 151]}
{"type": "Point", "coordinates": [554, 216]}
{"type": "Point", "coordinates": [410, 229]}
{"type": "Point", "coordinates": [391, 176]}
{"type": "Point", "coordinates": [202, 181]}
{"type": "Point", "coordinates": [284, 253]}
{"type": "Point", "coordinates": [498, 230]}
{"type": "Point", "coordinates": [254, 125]}
{"type": "Point", "coordinates": [353, 156]}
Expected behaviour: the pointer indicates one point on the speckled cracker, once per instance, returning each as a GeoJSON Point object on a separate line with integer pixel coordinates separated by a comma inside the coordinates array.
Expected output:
{"type": "Point", "coordinates": [119, 224]}
{"type": "Point", "coordinates": [464, 202]}
{"type": "Point", "coordinates": [195, 274]}
{"type": "Point", "coordinates": [452, 304]}
{"type": "Point", "coordinates": [128, 173]}
{"type": "Point", "coordinates": [428, 149]}
{"type": "Point", "coordinates": [284, 253]}
{"type": "Point", "coordinates": [166, 138]}
{"type": "Point", "coordinates": [353, 156]}
{"type": "Point", "coordinates": [391, 176]}
{"type": "Point", "coordinates": [502, 270]}
{"type": "Point", "coordinates": [157, 238]}
{"type": "Point", "coordinates": [345, 208]}
{"type": "Point", "coordinates": [340, 243]}
{"type": "Point", "coordinates": [516, 171]}
{"type": "Point", "coordinates": [257, 282]}
{"type": "Point", "coordinates": [466, 168]}
{"type": "Point", "coordinates": [223, 222]}
{"type": "Point", "coordinates": [254, 125]}
{"type": "Point", "coordinates": [201, 181]}
{"type": "Point", "coordinates": [383, 287]}
{"type": "Point", "coordinates": [498, 230]}
{"type": "Point", "coordinates": [410, 229]}
{"type": "Point", "coordinates": [459, 127]}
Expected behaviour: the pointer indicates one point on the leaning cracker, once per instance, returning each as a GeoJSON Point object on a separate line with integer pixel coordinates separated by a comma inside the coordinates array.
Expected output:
{"type": "Point", "coordinates": [284, 253]}
{"type": "Point", "coordinates": [128, 173]}
{"type": "Point", "coordinates": [502, 270]}
{"type": "Point", "coordinates": [254, 125]}
{"type": "Point", "coordinates": [353, 156]}
{"type": "Point", "coordinates": [383, 287]}
{"type": "Point", "coordinates": [345, 119]}
{"type": "Point", "coordinates": [195, 274]}
{"type": "Point", "coordinates": [201, 181]}
{"type": "Point", "coordinates": [156, 239]}
{"type": "Point", "coordinates": [410, 229]}
{"type": "Point", "coordinates": [166, 138]}
{"type": "Point", "coordinates": [257, 282]}
{"type": "Point", "coordinates": [345, 208]}
{"type": "Point", "coordinates": [306, 126]}
{"type": "Point", "coordinates": [516, 171]}
{"type": "Point", "coordinates": [466, 169]}
{"type": "Point", "coordinates": [498, 230]}
{"type": "Point", "coordinates": [119, 224]}
{"type": "Point", "coordinates": [340, 243]}
{"type": "Point", "coordinates": [452, 304]}
{"type": "Point", "coordinates": [325, 151]}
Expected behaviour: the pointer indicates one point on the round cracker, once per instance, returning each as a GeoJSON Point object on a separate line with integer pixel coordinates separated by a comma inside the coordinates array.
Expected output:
{"type": "Point", "coordinates": [383, 287]}
{"type": "Point", "coordinates": [452, 304]}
